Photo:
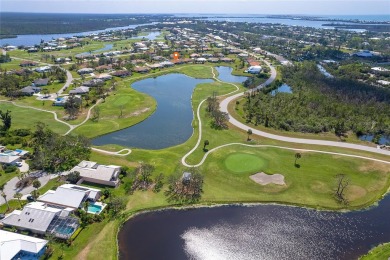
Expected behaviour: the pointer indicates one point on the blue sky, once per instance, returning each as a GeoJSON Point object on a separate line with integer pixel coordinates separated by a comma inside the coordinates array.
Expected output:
{"type": "Point", "coordinates": [308, 7]}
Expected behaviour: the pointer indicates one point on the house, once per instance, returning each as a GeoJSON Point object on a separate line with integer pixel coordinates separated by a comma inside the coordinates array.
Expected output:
{"type": "Point", "coordinates": [39, 218]}
{"type": "Point", "coordinates": [82, 56]}
{"type": "Point", "coordinates": [69, 196]}
{"type": "Point", "coordinates": [254, 69]}
{"type": "Point", "coordinates": [364, 54]}
{"type": "Point", "coordinates": [43, 69]}
{"type": "Point", "coordinates": [98, 173]}
{"type": "Point", "coordinates": [200, 60]}
{"type": "Point", "coordinates": [41, 82]}
{"type": "Point", "coordinates": [103, 76]}
{"type": "Point", "coordinates": [93, 83]}
{"type": "Point", "coordinates": [213, 60]}
{"type": "Point", "coordinates": [85, 71]}
{"type": "Point", "coordinates": [141, 69]}
{"type": "Point", "coordinates": [155, 66]}
{"type": "Point", "coordinates": [9, 158]}
{"type": "Point", "coordinates": [194, 55]}
{"type": "Point", "coordinates": [226, 60]}
{"type": "Point", "coordinates": [30, 90]}
{"type": "Point", "coordinates": [167, 64]}
{"type": "Point", "coordinates": [17, 246]}
{"type": "Point", "coordinates": [28, 64]}
{"type": "Point", "coordinates": [121, 73]}
{"type": "Point", "coordinates": [79, 90]}
{"type": "Point", "coordinates": [30, 50]}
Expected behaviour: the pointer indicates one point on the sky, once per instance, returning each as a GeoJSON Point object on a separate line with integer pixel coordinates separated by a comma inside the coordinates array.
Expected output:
{"type": "Point", "coordinates": [307, 7]}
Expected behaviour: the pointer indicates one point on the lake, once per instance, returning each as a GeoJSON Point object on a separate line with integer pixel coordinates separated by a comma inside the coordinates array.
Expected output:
{"type": "Point", "coordinates": [257, 232]}
{"type": "Point", "coordinates": [32, 39]}
{"type": "Point", "coordinates": [369, 138]}
{"type": "Point", "coordinates": [225, 74]}
{"type": "Point", "coordinates": [171, 123]}
{"type": "Point", "coordinates": [284, 88]}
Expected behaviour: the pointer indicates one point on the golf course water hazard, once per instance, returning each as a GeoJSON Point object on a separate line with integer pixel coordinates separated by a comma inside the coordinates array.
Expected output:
{"type": "Point", "coordinates": [171, 123]}
{"type": "Point", "coordinates": [258, 232]}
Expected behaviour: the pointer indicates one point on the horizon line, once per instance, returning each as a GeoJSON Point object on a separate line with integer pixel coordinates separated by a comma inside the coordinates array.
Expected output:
{"type": "Point", "coordinates": [309, 15]}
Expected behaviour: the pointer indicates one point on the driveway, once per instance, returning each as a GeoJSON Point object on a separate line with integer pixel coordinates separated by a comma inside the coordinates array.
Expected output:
{"type": "Point", "coordinates": [25, 167]}
{"type": "Point", "coordinates": [10, 190]}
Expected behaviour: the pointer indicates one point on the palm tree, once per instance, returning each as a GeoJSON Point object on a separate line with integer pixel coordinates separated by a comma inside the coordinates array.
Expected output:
{"type": "Point", "coordinates": [86, 205]}
{"type": "Point", "coordinates": [297, 156]}
{"type": "Point", "coordinates": [249, 132]}
{"type": "Point", "coordinates": [18, 196]}
{"type": "Point", "coordinates": [36, 184]}
{"type": "Point", "coordinates": [206, 142]}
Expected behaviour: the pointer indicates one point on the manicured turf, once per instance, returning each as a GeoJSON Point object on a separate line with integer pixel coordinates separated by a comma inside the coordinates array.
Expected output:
{"type": "Point", "coordinates": [244, 162]}
{"type": "Point", "coordinates": [135, 107]}
{"type": "Point", "coordinates": [311, 184]}
{"type": "Point", "coordinates": [381, 252]}
{"type": "Point", "coordinates": [28, 118]}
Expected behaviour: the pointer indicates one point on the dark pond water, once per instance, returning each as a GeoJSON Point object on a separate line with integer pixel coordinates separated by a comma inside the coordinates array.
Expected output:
{"type": "Point", "coordinates": [32, 39]}
{"type": "Point", "coordinates": [259, 232]}
{"type": "Point", "coordinates": [284, 88]}
{"type": "Point", "coordinates": [225, 74]}
{"type": "Point", "coordinates": [369, 138]}
{"type": "Point", "coordinates": [170, 124]}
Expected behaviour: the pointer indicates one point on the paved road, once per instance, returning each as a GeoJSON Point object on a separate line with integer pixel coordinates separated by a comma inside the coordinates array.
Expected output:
{"type": "Point", "coordinates": [10, 190]}
{"type": "Point", "coordinates": [69, 80]}
{"type": "Point", "coordinates": [224, 108]}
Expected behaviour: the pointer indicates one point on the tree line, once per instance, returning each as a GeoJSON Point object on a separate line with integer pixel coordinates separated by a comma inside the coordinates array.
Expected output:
{"type": "Point", "coordinates": [319, 104]}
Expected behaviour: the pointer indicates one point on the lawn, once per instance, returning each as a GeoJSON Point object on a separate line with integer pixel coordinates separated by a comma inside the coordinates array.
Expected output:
{"type": "Point", "coordinates": [28, 118]}
{"type": "Point", "coordinates": [381, 252]}
{"type": "Point", "coordinates": [122, 109]}
{"type": "Point", "coordinates": [227, 174]}
{"type": "Point", "coordinates": [5, 177]}
{"type": "Point", "coordinates": [244, 163]}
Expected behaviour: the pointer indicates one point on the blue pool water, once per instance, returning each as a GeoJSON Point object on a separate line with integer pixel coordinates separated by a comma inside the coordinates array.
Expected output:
{"type": "Point", "coordinates": [92, 208]}
{"type": "Point", "coordinates": [65, 230]}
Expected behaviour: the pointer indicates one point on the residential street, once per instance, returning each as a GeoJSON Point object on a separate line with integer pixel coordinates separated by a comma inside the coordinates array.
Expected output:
{"type": "Point", "coordinates": [10, 189]}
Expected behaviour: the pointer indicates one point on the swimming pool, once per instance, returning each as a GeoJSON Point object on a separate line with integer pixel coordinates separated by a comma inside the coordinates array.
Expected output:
{"type": "Point", "coordinates": [95, 208]}
{"type": "Point", "coordinates": [65, 230]}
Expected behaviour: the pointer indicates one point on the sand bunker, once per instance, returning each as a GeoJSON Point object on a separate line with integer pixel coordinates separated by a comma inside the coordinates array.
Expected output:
{"type": "Point", "coordinates": [264, 179]}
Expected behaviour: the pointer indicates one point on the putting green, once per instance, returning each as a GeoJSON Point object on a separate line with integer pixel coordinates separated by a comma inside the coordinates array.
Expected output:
{"type": "Point", "coordinates": [244, 162]}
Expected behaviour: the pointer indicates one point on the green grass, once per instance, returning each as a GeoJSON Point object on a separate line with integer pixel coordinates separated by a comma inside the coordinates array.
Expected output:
{"type": "Point", "coordinates": [135, 107]}
{"type": "Point", "coordinates": [5, 177]}
{"type": "Point", "coordinates": [12, 65]}
{"type": "Point", "coordinates": [244, 162]}
{"type": "Point", "coordinates": [27, 118]}
{"type": "Point", "coordinates": [311, 184]}
{"type": "Point", "coordinates": [13, 204]}
{"type": "Point", "coordinates": [381, 252]}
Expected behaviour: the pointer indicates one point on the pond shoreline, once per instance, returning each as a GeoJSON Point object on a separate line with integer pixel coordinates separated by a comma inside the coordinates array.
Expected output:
{"type": "Point", "coordinates": [128, 216]}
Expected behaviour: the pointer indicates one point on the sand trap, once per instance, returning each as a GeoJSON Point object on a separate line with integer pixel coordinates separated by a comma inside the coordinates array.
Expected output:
{"type": "Point", "coordinates": [264, 179]}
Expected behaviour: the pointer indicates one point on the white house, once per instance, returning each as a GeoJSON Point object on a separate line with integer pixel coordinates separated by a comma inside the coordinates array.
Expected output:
{"type": "Point", "coordinates": [69, 196]}
{"type": "Point", "coordinates": [253, 69]}
{"type": "Point", "coordinates": [98, 173]}
{"type": "Point", "coordinates": [14, 246]}
{"type": "Point", "coordinates": [40, 218]}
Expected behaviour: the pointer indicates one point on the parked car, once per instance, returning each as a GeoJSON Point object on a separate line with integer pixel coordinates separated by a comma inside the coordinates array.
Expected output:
{"type": "Point", "coordinates": [30, 198]}
{"type": "Point", "coordinates": [19, 164]}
